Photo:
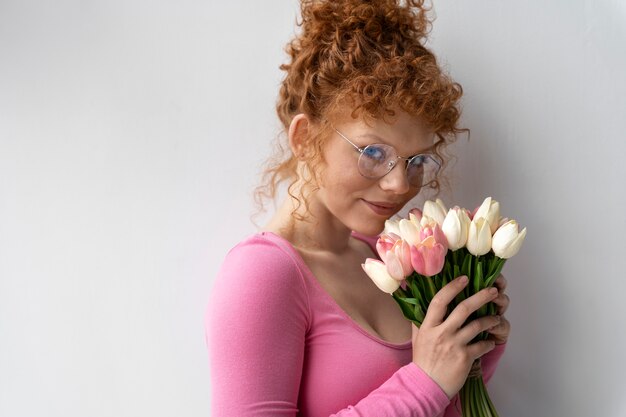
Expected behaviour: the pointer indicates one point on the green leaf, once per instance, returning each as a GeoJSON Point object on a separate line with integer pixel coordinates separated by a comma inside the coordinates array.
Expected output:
{"type": "Point", "coordinates": [496, 273]}
{"type": "Point", "coordinates": [478, 276]}
{"type": "Point", "coordinates": [407, 309]}
{"type": "Point", "coordinates": [419, 314]}
{"type": "Point", "coordinates": [432, 290]}
{"type": "Point", "coordinates": [465, 267]}
{"type": "Point", "coordinates": [401, 292]}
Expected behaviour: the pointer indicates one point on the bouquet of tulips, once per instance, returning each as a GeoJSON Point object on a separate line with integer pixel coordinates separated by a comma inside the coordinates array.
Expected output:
{"type": "Point", "coordinates": [433, 246]}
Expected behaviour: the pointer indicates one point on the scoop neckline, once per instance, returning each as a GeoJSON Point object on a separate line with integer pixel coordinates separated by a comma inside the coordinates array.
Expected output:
{"type": "Point", "coordinates": [298, 258]}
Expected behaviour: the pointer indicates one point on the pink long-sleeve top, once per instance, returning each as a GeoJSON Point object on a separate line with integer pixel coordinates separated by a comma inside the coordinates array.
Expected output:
{"type": "Point", "coordinates": [279, 345]}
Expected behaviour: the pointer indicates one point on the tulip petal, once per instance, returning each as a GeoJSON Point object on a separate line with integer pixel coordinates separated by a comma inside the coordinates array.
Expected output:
{"type": "Point", "coordinates": [451, 228]}
{"type": "Point", "coordinates": [417, 260]}
{"type": "Point", "coordinates": [435, 210]}
{"type": "Point", "coordinates": [384, 244]}
{"type": "Point", "coordinates": [409, 232]}
{"type": "Point", "coordinates": [377, 272]}
{"type": "Point", "coordinates": [428, 258]}
{"type": "Point", "coordinates": [479, 237]}
{"type": "Point", "coordinates": [391, 226]}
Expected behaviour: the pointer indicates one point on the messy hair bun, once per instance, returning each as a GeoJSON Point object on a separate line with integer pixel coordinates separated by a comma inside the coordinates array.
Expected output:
{"type": "Point", "coordinates": [367, 56]}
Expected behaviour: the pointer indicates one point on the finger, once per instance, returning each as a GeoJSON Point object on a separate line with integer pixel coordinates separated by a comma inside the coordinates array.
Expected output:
{"type": "Point", "coordinates": [478, 349]}
{"type": "Point", "coordinates": [500, 283]}
{"type": "Point", "coordinates": [463, 310]}
{"type": "Point", "coordinates": [501, 332]}
{"type": "Point", "coordinates": [474, 327]}
{"type": "Point", "coordinates": [502, 301]}
{"type": "Point", "coordinates": [439, 304]}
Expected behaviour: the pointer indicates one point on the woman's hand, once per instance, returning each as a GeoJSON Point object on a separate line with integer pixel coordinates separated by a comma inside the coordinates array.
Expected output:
{"type": "Point", "coordinates": [500, 333]}
{"type": "Point", "coordinates": [441, 347]}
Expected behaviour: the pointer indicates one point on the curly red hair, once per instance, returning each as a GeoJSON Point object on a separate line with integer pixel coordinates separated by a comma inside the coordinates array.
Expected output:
{"type": "Point", "coordinates": [366, 56]}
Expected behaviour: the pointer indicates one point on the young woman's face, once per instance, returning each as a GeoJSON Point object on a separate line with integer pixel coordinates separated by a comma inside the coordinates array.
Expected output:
{"type": "Point", "coordinates": [363, 204]}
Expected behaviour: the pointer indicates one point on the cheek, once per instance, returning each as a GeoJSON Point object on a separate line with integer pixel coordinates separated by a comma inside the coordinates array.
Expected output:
{"type": "Point", "coordinates": [342, 174]}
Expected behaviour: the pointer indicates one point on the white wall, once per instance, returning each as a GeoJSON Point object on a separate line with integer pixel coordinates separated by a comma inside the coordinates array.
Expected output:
{"type": "Point", "coordinates": [546, 100]}
{"type": "Point", "coordinates": [131, 133]}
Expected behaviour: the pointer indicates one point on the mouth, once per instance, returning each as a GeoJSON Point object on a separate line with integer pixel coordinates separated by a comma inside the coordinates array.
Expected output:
{"type": "Point", "coordinates": [382, 208]}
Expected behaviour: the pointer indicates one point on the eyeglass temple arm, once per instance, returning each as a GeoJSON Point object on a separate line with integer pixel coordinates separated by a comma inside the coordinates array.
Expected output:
{"type": "Point", "coordinates": [349, 141]}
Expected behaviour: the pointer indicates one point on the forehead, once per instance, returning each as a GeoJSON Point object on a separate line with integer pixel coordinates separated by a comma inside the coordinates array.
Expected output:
{"type": "Point", "coordinates": [408, 134]}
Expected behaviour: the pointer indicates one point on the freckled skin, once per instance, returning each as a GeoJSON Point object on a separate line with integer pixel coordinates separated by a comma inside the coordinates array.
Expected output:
{"type": "Point", "coordinates": [343, 188]}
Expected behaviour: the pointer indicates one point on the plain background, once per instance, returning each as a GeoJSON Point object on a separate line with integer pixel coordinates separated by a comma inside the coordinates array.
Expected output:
{"type": "Point", "coordinates": [131, 137]}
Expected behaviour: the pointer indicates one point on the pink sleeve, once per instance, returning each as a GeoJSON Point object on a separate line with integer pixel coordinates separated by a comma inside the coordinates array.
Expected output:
{"type": "Point", "coordinates": [256, 324]}
{"type": "Point", "coordinates": [490, 360]}
{"type": "Point", "coordinates": [408, 393]}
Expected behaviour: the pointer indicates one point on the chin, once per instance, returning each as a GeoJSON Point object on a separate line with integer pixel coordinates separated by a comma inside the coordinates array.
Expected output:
{"type": "Point", "coordinates": [369, 227]}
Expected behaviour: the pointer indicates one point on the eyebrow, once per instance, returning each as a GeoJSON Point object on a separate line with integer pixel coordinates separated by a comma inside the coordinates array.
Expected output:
{"type": "Point", "coordinates": [378, 139]}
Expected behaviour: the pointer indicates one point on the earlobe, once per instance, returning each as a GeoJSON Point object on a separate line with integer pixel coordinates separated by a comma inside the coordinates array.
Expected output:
{"type": "Point", "coordinates": [298, 134]}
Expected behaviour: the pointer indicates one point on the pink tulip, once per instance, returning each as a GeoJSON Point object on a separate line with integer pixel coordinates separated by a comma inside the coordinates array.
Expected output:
{"type": "Point", "coordinates": [431, 228]}
{"type": "Point", "coordinates": [398, 260]}
{"type": "Point", "coordinates": [427, 257]}
{"type": "Point", "coordinates": [417, 213]}
{"type": "Point", "coordinates": [384, 244]}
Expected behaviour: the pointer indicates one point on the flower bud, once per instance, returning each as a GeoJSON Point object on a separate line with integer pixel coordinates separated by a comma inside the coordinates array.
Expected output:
{"type": "Point", "coordinates": [391, 226]}
{"type": "Point", "coordinates": [508, 240]}
{"type": "Point", "coordinates": [435, 210]}
{"type": "Point", "coordinates": [490, 210]}
{"type": "Point", "coordinates": [409, 232]}
{"type": "Point", "coordinates": [456, 228]}
{"type": "Point", "coordinates": [398, 260]}
{"type": "Point", "coordinates": [377, 271]}
{"type": "Point", "coordinates": [428, 257]}
{"type": "Point", "coordinates": [479, 237]}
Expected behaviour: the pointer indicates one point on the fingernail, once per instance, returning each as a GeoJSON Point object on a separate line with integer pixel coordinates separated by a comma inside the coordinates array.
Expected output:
{"type": "Point", "coordinates": [463, 279]}
{"type": "Point", "coordinates": [493, 291]}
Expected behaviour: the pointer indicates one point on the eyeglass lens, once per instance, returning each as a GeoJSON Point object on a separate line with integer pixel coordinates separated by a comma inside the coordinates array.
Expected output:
{"type": "Point", "coordinates": [377, 160]}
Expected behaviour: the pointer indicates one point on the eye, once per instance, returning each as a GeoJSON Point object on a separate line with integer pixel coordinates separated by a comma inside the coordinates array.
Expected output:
{"type": "Point", "coordinates": [375, 153]}
{"type": "Point", "coordinates": [417, 161]}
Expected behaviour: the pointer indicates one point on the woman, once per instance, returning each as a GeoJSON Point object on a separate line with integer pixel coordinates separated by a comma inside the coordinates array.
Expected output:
{"type": "Point", "coordinates": [294, 325]}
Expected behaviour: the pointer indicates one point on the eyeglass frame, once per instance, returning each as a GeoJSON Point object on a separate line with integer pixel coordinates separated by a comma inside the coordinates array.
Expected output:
{"type": "Point", "coordinates": [360, 150]}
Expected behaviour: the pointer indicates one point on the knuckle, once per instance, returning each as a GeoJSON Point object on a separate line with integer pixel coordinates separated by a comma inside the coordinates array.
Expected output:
{"type": "Point", "coordinates": [464, 309]}
{"type": "Point", "coordinates": [440, 340]}
{"type": "Point", "coordinates": [476, 326]}
{"type": "Point", "coordinates": [437, 302]}
{"type": "Point", "coordinates": [465, 356]}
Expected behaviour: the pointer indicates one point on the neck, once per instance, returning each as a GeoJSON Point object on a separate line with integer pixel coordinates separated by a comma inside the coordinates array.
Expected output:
{"type": "Point", "coordinates": [318, 231]}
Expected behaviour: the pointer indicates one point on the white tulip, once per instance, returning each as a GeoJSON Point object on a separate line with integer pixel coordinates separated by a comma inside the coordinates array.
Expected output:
{"type": "Point", "coordinates": [490, 210]}
{"type": "Point", "coordinates": [479, 237]}
{"type": "Point", "coordinates": [409, 232]}
{"type": "Point", "coordinates": [456, 228]}
{"type": "Point", "coordinates": [508, 240]}
{"type": "Point", "coordinates": [377, 271]}
{"type": "Point", "coordinates": [391, 226]}
{"type": "Point", "coordinates": [435, 210]}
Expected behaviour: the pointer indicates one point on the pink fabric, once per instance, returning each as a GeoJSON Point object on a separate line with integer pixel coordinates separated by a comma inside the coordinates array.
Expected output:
{"type": "Point", "coordinates": [279, 345]}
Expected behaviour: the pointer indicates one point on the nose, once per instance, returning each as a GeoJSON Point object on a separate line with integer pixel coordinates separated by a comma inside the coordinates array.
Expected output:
{"type": "Point", "coordinates": [396, 180]}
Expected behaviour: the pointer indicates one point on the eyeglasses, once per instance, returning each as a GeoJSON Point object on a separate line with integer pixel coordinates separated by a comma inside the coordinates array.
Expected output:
{"type": "Point", "coordinates": [378, 159]}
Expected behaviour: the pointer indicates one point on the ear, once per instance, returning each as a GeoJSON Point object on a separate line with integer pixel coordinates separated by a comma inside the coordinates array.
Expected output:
{"type": "Point", "coordinates": [298, 135]}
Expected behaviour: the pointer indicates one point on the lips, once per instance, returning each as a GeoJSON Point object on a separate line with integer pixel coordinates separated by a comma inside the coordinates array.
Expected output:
{"type": "Point", "coordinates": [382, 208]}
